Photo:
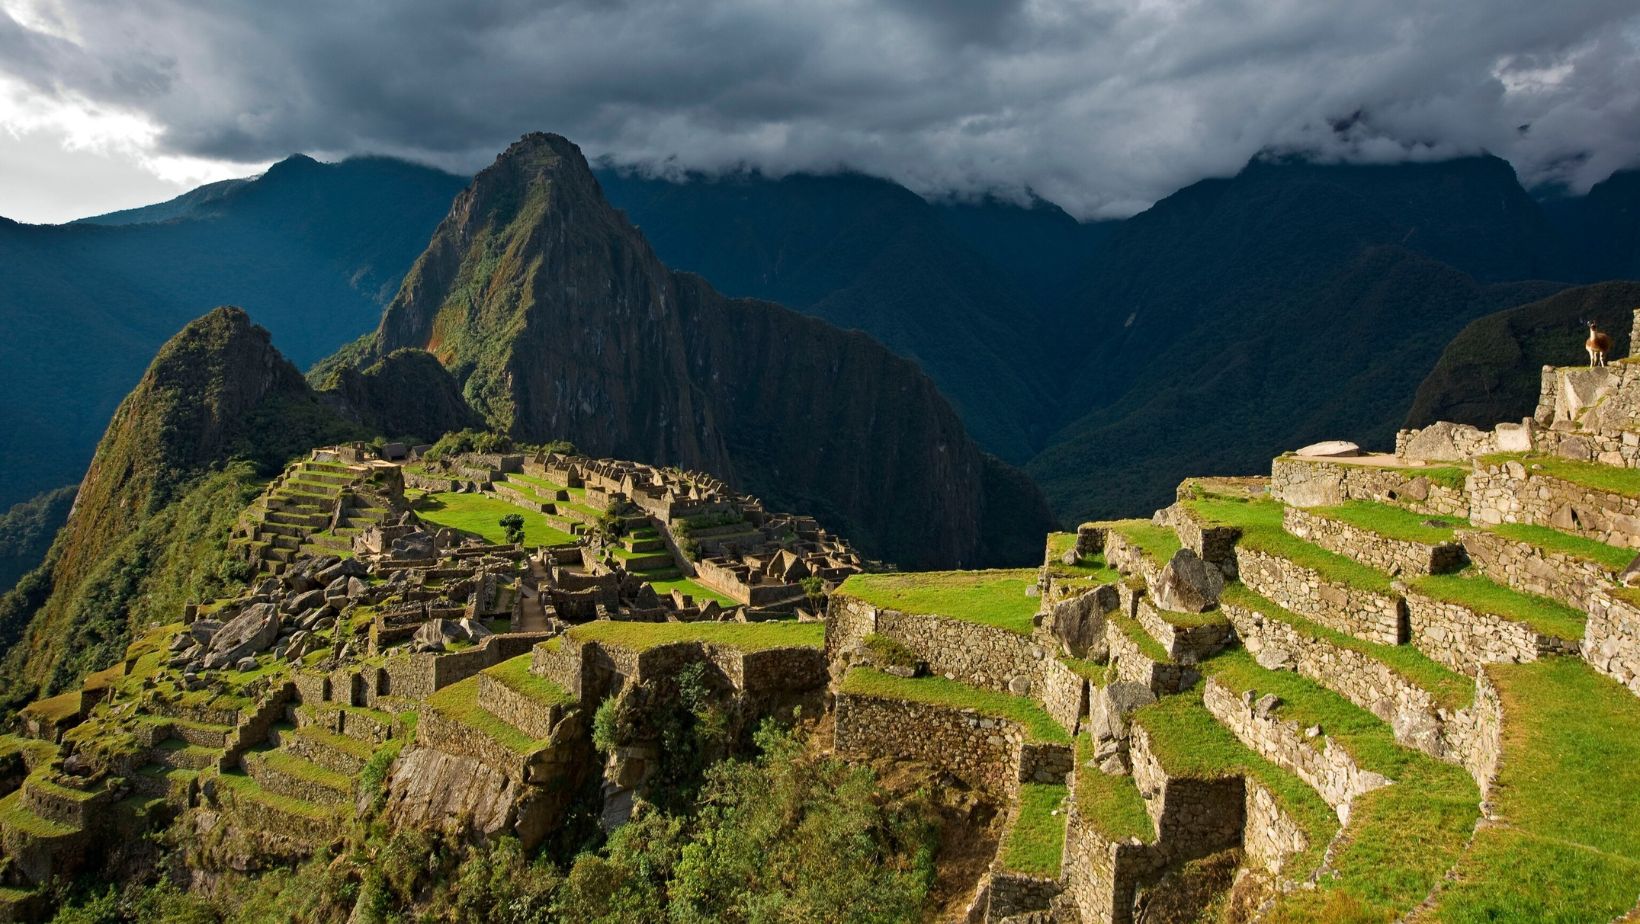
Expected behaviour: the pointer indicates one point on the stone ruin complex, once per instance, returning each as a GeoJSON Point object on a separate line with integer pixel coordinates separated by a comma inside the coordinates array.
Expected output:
{"type": "Point", "coordinates": [1322, 694]}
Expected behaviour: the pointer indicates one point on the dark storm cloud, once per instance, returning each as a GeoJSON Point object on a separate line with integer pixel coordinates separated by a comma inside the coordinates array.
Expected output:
{"type": "Point", "coordinates": [1101, 106]}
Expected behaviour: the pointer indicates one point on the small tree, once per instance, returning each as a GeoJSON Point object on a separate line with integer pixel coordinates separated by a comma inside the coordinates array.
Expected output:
{"type": "Point", "coordinates": [814, 587]}
{"type": "Point", "coordinates": [513, 523]}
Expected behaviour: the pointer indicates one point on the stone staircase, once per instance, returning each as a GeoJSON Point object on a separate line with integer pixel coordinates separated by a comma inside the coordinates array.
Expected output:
{"type": "Point", "coordinates": [314, 507]}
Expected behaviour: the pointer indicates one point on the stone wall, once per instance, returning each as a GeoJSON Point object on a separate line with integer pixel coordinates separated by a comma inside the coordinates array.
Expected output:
{"type": "Point", "coordinates": [1462, 638]}
{"type": "Point", "coordinates": [1510, 492]}
{"type": "Point", "coordinates": [1330, 770]}
{"type": "Point", "coordinates": [848, 621]}
{"type": "Point", "coordinates": [1391, 556]}
{"type": "Point", "coordinates": [979, 750]}
{"type": "Point", "coordinates": [1409, 710]}
{"type": "Point", "coordinates": [1193, 817]}
{"type": "Point", "coordinates": [1534, 570]}
{"type": "Point", "coordinates": [1184, 644]}
{"type": "Point", "coordinates": [528, 715]}
{"type": "Point", "coordinates": [1307, 482]}
{"type": "Point", "coordinates": [1101, 875]}
{"type": "Point", "coordinates": [1213, 544]}
{"type": "Point", "coordinates": [1365, 614]}
{"type": "Point", "coordinates": [1133, 666]}
{"type": "Point", "coordinates": [1131, 560]}
{"type": "Point", "coordinates": [1611, 638]}
{"type": "Point", "coordinates": [1016, 893]}
{"type": "Point", "coordinates": [969, 653]}
{"type": "Point", "coordinates": [1270, 837]}
{"type": "Point", "coordinates": [1064, 695]}
{"type": "Point", "coordinates": [1483, 748]}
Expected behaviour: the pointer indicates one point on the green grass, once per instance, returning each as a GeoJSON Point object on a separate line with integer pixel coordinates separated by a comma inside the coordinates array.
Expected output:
{"type": "Point", "coordinates": [515, 675]}
{"type": "Point", "coordinates": [1451, 477]}
{"type": "Point", "coordinates": [302, 769]}
{"type": "Point", "coordinates": [1111, 804]}
{"type": "Point", "coordinates": [480, 515]}
{"type": "Point", "coordinates": [1449, 688]}
{"type": "Point", "coordinates": [1136, 634]}
{"type": "Point", "coordinates": [1401, 838]}
{"type": "Point", "coordinates": [991, 598]}
{"type": "Point", "coordinates": [743, 636]}
{"type": "Point", "coordinates": [1569, 845]}
{"type": "Point", "coordinates": [1157, 542]}
{"type": "Point", "coordinates": [40, 781]}
{"type": "Point", "coordinates": [247, 788]}
{"type": "Point", "coordinates": [458, 702]}
{"type": "Point", "coordinates": [55, 708]}
{"type": "Point", "coordinates": [937, 691]}
{"type": "Point", "coordinates": [1609, 557]}
{"type": "Point", "coordinates": [15, 816]}
{"type": "Point", "coordinates": [1393, 522]}
{"type": "Point", "coordinates": [1090, 569]}
{"type": "Point", "coordinates": [1035, 844]}
{"type": "Point", "coordinates": [1478, 593]}
{"type": "Point", "coordinates": [1260, 522]}
{"type": "Point", "coordinates": [1609, 478]}
{"type": "Point", "coordinates": [885, 650]}
{"type": "Point", "coordinates": [334, 741]}
{"type": "Point", "coordinates": [1188, 741]}
{"type": "Point", "coordinates": [1091, 671]}
{"type": "Point", "coordinates": [694, 589]}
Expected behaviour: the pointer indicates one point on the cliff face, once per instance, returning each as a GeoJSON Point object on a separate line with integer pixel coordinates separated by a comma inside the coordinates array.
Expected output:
{"type": "Point", "coordinates": [560, 323]}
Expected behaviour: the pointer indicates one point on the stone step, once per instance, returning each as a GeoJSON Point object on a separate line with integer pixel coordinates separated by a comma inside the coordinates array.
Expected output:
{"type": "Point", "coordinates": [1546, 562]}
{"type": "Point", "coordinates": [1327, 588]}
{"type": "Point", "coordinates": [1136, 657]}
{"type": "Point", "coordinates": [360, 723]}
{"type": "Point", "coordinates": [39, 848]}
{"type": "Point", "coordinates": [1466, 620]}
{"type": "Point", "coordinates": [176, 754]}
{"type": "Point", "coordinates": [292, 817]}
{"type": "Point", "coordinates": [175, 786]}
{"type": "Point", "coordinates": [203, 734]}
{"type": "Point", "coordinates": [286, 774]}
{"type": "Point", "coordinates": [1382, 537]}
{"type": "Point", "coordinates": [1187, 637]}
{"type": "Point", "coordinates": [655, 544]}
{"type": "Point", "coordinates": [530, 703]}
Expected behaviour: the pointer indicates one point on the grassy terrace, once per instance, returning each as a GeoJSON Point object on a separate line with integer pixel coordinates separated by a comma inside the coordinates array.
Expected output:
{"type": "Point", "coordinates": [1260, 522]}
{"type": "Point", "coordinates": [293, 766]}
{"type": "Point", "coordinates": [1402, 838]}
{"type": "Point", "coordinates": [1089, 569]}
{"type": "Point", "coordinates": [1568, 848]}
{"type": "Point", "coordinates": [1472, 590]}
{"type": "Point", "coordinates": [1110, 804]}
{"type": "Point", "coordinates": [54, 708]}
{"type": "Point", "coordinates": [244, 787]}
{"type": "Point", "coordinates": [1157, 542]}
{"type": "Point", "coordinates": [515, 675]}
{"type": "Point", "coordinates": [458, 702]}
{"type": "Point", "coordinates": [480, 515]}
{"type": "Point", "coordinates": [15, 816]}
{"type": "Point", "coordinates": [1609, 478]}
{"type": "Point", "coordinates": [694, 589]}
{"type": "Point", "coordinates": [991, 598]}
{"type": "Point", "coordinates": [1136, 634]}
{"type": "Point", "coordinates": [1393, 522]}
{"type": "Point", "coordinates": [1035, 844]}
{"type": "Point", "coordinates": [332, 740]}
{"type": "Point", "coordinates": [937, 691]}
{"type": "Point", "coordinates": [1450, 689]}
{"type": "Point", "coordinates": [1188, 741]}
{"type": "Point", "coordinates": [1610, 557]}
{"type": "Point", "coordinates": [744, 636]}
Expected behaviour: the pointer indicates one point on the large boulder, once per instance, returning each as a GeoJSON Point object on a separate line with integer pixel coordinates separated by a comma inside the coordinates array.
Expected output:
{"type": "Point", "coordinates": [1079, 622]}
{"type": "Point", "coordinates": [1443, 441]}
{"type": "Point", "coordinates": [1188, 584]}
{"type": "Point", "coordinates": [1330, 449]}
{"type": "Point", "coordinates": [245, 635]}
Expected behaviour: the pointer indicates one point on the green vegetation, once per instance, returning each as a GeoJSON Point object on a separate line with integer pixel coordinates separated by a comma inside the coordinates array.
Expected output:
{"type": "Point", "coordinates": [1135, 633]}
{"type": "Point", "coordinates": [1188, 741]}
{"type": "Point", "coordinates": [293, 766]}
{"type": "Point", "coordinates": [1090, 569]}
{"type": "Point", "coordinates": [1568, 845]}
{"type": "Point", "coordinates": [458, 702]}
{"type": "Point", "coordinates": [1261, 530]}
{"type": "Point", "coordinates": [1476, 592]}
{"type": "Point", "coordinates": [937, 691]}
{"type": "Point", "coordinates": [14, 815]}
{"type": "Point", "coordinates": [1035, 844]}
{"type": "Point", "coordinates": [1610, 478]}
{"type": "Point", "coordinates": [1610, 557]}
{"type": "Point", "coordinates": [885, 650]}
{"type": "Point", "coordinates": [1159, 543]}
{"type": "Point", "coordinates": [700, 592]}
{"type": "Point", "coordinates": [1450, 477]}
{"type": "Point", "coordinates": [516, 676]}
{"type": "Point", "coordinates": [1401, 838]}
{"type": "Point", "coordinates": [1450, 689]}
{"type": "Point", "coordinates": [26, 531]}
{"type": "Point", "coordinates": [481, 514]}
{"type": "Point", "coordinates": [1111, 804]}
{"type": "Point", "coordinates": [743, 636]}
{"type": "Point", "coordinates": [513, 525]}
{"type": "Point", "coordinates": [991, 598]}
{"type": "Point", "coordinates": [1393, 522]}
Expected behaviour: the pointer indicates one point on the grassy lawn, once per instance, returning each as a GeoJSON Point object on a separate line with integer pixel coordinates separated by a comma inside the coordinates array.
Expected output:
{"type": "Point", "coordinates": [1157, 542]}
{"type": "Point", "coordinates": [458, 702]}
{"type": "Point", "coordinates": [1136, 634]}
{"type": "Point", "coordinates": [743, 636]}
{"type": "Point", "coordinates": [1260, 522]}
{"type": "Point", "coordinates": [1607, 556]}
{"type": "Point", "coordinates": [694, 589]}
{"type": "Point", "coordinates": [1393, 522]}
{"type": "Point", "coordinates": [515, 675]}
{"type": "Point", "coordinates": [1569, 845]}
{"type": "Point", "coordinates": [1090, 569]}
{"type": "Point", "coordinates": [1401, 838]}
{"type": "Point", "coordinates": [1188, 741]}
{"type": "Point", "coordinates": [1549, 617]}
{"type": "Point", "coordinates": [55, 708]}
{"type": "Point", "coordinates": [1111, 804]}
{"type": "Point", "coordinates": [991, 598]}
{"type": "Point", "coordinates": [1035, 844]}
{"type": "Point", "coordinates": [1450, 689]}
{"type": "Point", "coordinates": [937, 691]}
{"type": "Point", "coordinates": [480, 515]}
{"type": "Point", "coordinates": [1593, 475]}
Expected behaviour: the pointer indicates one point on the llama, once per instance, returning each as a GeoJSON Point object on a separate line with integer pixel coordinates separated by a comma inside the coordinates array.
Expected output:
{"type": "Point", "coordinates": [1597, 345]}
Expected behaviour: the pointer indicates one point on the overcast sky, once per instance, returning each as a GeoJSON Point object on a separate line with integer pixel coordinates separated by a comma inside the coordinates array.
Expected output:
{"type": "Point", "coordinates": [1101, 106]}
